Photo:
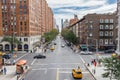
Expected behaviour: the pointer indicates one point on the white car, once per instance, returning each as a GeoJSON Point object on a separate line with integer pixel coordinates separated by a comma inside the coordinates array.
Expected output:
{"type": "Point", "coordinates": [63, 45]}
{"type": "Point", "coordinates": [85, 52]}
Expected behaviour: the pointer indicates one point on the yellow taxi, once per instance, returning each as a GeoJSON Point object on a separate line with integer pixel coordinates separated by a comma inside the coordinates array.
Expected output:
{"type": "Point", "coordinates": [52, 47]}
{"type": "Point", "coordinates": [77, 73]}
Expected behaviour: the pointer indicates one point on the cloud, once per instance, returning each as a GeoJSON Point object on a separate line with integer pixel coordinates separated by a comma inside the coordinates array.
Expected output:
{"type": "Point", "coordinates": [65, 9]}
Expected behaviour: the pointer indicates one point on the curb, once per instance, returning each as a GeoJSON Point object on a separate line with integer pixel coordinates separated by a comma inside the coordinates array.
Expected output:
{"type": "Point", "coordinates": [22, 75]}
{"type": "Point", "coordinates": [90, 72]}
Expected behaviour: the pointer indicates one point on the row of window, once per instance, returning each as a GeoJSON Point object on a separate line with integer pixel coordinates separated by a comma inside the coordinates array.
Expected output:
{"type": "Point", "coordinates": [106, 41]}
{"type": "Point", "coordinates": [106, 20]}
{"type": "Point", "coordinates": [106, 26]}
{"type": "Point", "coordinates": [25, 39]}
{"type": "Point", "coordinates": [106, 33]}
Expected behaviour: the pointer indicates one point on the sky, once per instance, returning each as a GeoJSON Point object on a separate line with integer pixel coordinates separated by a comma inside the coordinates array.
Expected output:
{"type": "Point", "coordinates": [65, 9]}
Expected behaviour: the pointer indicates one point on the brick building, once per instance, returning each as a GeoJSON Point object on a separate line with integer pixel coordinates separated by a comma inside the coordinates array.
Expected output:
{"type": "Point", "coordinates": [25, 19]}
{"type": "Point", "coordinates": [97, 30]}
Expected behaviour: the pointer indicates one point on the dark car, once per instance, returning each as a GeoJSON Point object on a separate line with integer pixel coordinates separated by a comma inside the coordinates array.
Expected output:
{"type": "Point", "coordinates": [54, 43]}
{"type": "Point", "coordinates": [109, 51]}
{"type": "Point", "coordinates": [39, 56]}
{"type": "Point", "coordinates": [6, 56]}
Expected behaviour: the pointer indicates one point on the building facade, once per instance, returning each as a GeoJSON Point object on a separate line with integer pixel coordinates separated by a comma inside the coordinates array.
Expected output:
{"type": "Point", "coordinates": [118, 15]}
{"type": "Point", "coordinates": [25, 19]}
{"type": "Point", "coordinates": [97, 30]}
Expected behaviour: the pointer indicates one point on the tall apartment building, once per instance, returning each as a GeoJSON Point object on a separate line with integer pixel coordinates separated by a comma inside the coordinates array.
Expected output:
{"type": "Point", "coordinates": [66, 23]}
{"type": "Point", "coordinates": [25, 19]}
{"type": "Point", "coordinates": [97, 30]}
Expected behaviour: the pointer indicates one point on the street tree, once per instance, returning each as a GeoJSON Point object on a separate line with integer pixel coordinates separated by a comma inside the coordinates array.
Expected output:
{"type": "Point", "coordinates": [49, 36]}
{"type": "Point", "coordinates": [11, 40]}
{"type": "Point", "coordinates": [69, 36]}
{"type": "Point", "coordinates": [112, 65]}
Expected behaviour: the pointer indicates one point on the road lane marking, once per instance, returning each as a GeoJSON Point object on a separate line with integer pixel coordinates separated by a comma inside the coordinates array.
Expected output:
{"type": "Point", "coordinates": [82, 59]}
{"type": "Point", "coordinates": [33, 61]}
{"type": "Point", "coordinates": [45, 69]}
{"type": "Point", "coordinates": [40, 64]}
{"type": "Point", "coordinates": [22, 56]}
{"type": "Point", "coordinates": [64, 63]}
{"type": "Point", "coordinates": [57, 76]}
{"type": "Point", "coordinates": [40, 69]}
{"type": "Point", "coordinates": [71, 72]}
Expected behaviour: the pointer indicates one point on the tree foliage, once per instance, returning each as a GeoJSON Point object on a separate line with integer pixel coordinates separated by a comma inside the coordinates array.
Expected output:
{"type": "Point", "coordinates": [112, 65]}
{"type": "Point", "coordinates": [11, 40]}
{"type": "Point", "coordinates": [69, 36]}
{"type": "Point", "coordinates": [49, 36]}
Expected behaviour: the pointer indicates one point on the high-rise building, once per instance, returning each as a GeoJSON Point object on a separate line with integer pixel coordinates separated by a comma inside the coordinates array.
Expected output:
{"type": "Point", "coordinates": [66, 23]}
{"type": "Point", "coordinates": [25, 19]}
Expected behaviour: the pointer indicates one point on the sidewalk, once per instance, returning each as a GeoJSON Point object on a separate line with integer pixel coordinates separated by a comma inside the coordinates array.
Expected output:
{"type": "Point", "coordinates": [99, 70]}
{"type": "Point", "coordinates": [11, 73]}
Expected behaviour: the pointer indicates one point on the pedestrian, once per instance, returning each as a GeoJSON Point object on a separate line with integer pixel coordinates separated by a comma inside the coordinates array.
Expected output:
{"type": "Point", "coordinates": [78, 67]}
{"type": "Point", "coordinates": [88, 65]}
{"type": "Point", "coordinates": [92, 62]}
{"type": "Point", "coordinates": [4, 70]}
{"type": "Point", "coordinates": [13, 62]}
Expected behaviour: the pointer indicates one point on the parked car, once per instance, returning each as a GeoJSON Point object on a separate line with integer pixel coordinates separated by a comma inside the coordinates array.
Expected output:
{"type": "Point", "coordinates": [54, 43]}
{"type": "Point", "coordinates": [6, 56]}
{"type": "Point", "coordinates": [86, 52]}
{"type": "Point", "coordinates": [77, 73]}
{"type": "Point", "coordinates": [109, 51]}
{"type": "Point", "coordinates": [62, 45]}
{"type": "Point", "coordinates": [39, 56]}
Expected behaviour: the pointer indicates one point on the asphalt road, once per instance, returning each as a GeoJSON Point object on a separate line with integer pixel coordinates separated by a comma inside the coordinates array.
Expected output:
{"type": "Point", "coordinates": [58, 64]}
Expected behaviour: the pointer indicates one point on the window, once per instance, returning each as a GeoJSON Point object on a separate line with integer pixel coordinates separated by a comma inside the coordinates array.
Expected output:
{"type": "Point", "coordinates": [24, 17]}
{"type": "Point", "coordinates": [20, 39]}
{"type": "Point", "coordinates": [14, 1]}
{"type": "Point", "coordinates": [25, 23]}
{"type": "Point", "coordinates": [25, 12]}
{"type": "Point", "coordinates": [25, 39]}
{"type": "Point", "coordinates": [111, 26]}
{"type": "Point", "coordinates": [91, 27]}
{"type": "Point", "coordinates": [10, 1]}
{"type": "Point", "coordinates": [91, 21]}
{"type": "Point", "coordinates": [25, 7]}
{"type": "Point", "coordinates": [101, 26]}
{"type": "Point", "coordinates": [20, 23]}
{"type": "Point", "coordinates": [101, 33]}
{"type": "Point", "coordinates": [106, 41]}
{"type": "Point", "coordinates": [101, 21]}
{"type": "Point", "coordinates": [106, 20]}
{"type": "Point", "coordinates": [14, 23]}
{"type": "Point", "coordinates": [90, 34]}
{"type": "Point", "coordinates": [111, 33]}
{"type": "Point", "coordinates": [101, 41]}
{"type": "Point", "coordinates": [21, 12]}
{"type": "Point", "coordinates": [111, 20]}
{"type": "Point", "coordinates": [20, 6]}
{"type": "Point", "coordinates": [20, 17]}
{"type": "Point", "coordinates": [106, 27]}
{"type": "Point", "coordinates": [111, 41]}
{"type": "Point", "coordinates": [106, 33]}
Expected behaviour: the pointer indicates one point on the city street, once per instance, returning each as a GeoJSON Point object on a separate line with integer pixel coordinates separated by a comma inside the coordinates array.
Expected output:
{"type": "Point", "coordinates": [58, 64]}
